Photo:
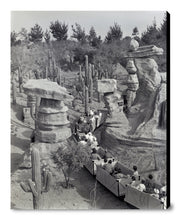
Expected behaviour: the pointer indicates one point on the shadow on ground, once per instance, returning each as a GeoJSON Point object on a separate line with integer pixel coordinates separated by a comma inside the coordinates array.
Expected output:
{"type": "Point", "coordinates": [84, 183]}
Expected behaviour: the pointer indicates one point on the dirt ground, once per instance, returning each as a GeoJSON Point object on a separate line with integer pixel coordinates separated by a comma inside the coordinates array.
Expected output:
{"type": "Point", "coordinates": [78, 197]}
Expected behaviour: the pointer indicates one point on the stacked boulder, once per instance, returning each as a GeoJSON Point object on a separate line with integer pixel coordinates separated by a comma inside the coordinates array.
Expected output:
{"type": "Point", "coordinates": [52, 125]}
{"type": "Point", "coordinates": [114, 103]}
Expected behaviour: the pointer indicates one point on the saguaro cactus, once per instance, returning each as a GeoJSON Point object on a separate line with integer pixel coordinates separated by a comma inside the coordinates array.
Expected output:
{"type": "Point", "coordinates": [35, 185]}
{"type": "Point", "coordinates": [99, 97]}
{"type": "Point", "coordinates": [46, 72]}
{"type": "Point", "coordinates": [86, 100]}
{"type": "Point", "coordinates": [58, 76]}
{"type": "Point", "coordinates": [20, 79]}
{"type": "Point", "coordinates": [82, 83]}
{"type": "Point", "coordinates": [90, 86]}
{"type": "Point", "coordinates": [93, 71]}
{"type": "Point", "coordinates": [86, 70]}
{"type": "Point", "coordinates": [14, 92]}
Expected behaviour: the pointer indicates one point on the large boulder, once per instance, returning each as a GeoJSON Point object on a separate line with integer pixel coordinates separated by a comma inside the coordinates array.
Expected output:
{"type": "Point", "coordinates": [145, 51]}
{"type": "Point", "coordinates": [106, 85]}
{"type": "Point", "coordinates": [148, 74]}
{"type": "Point", "coordinates": [117, 118]}
{"type": "Point", "coordinates": [46, 89]}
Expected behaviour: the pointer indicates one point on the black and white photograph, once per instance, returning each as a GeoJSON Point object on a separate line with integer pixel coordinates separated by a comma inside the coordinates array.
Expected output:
{"type": "Point", "coordinates": [89, 110]}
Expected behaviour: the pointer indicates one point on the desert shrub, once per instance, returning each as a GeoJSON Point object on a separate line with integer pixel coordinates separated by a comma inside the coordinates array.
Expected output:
{"type": "Point", "coordinates": [81, 50]}
{"type": "Point", "coordinates": [32, 59]}
{"type": "Point", "coordinates": [70, 159]}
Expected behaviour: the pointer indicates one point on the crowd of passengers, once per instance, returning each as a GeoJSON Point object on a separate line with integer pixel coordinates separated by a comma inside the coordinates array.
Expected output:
{"type": "Point", "coordinates": [85, 127]}
{"type": "Point", "coordinates": [87, 124]}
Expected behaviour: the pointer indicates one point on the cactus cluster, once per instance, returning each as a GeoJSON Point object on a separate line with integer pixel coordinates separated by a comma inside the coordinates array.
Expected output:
{"type": "Point", "coordinates": [86, 82]}
{"type": "Point", "coordinates": [41, 181]}
{"type": "Point", "coordinates": [52, 70]}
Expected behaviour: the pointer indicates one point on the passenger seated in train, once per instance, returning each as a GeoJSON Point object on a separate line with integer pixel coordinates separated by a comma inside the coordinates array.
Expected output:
{"type": "Point", "coordinates": [135, 173]}
{"type": "Point", "coordinates": [141, 187]}
{"type": "Point", "coordinates": [92, 120]}
{"type": "Point", "coordinates": [133, 182]}
{"type": "Point", "coordinates": [163, 199]}
{"type": "Point", "coordinates": [108, 156]}
{"type": "Point", "coordinates": [101, 152]}
{"type": "Point", "coordinates": [156, 193]}
{"type": "Point", "coordinates": [95, 155]}
{"type": "Point", "coordinates": [94, 142]}
{"type": "Point", "coordinates": [97, 117]}
{"type": "Point", "coordinates": [90, 137]}
{"type": "Point", "coordinates": [163, 189]}
{"type": "Point", "coordinates": [117, 173]}
{"type": "Point", "coordinates": [103, 162]}
{"type": "Point", "coordinates": [149, 183]}
{"type": "Point", "coordinates": [81, 126]}
{"type": "Point", "coordinates": [109, 166]}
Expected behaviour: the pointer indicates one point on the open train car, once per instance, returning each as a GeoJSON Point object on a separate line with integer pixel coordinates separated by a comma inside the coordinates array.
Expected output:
{"type": "Point", "coordinates": [141, 200]}
{"type": "Point", "coordinates": [117, 187]}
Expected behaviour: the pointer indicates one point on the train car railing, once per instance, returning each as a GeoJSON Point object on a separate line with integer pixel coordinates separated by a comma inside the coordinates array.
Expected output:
{"type": "Point", "coordinates": [107, 180]}
{"type": "Point", "coordinates": [92, 165]}
{"type": "Point", "coordinates": [141, 200]}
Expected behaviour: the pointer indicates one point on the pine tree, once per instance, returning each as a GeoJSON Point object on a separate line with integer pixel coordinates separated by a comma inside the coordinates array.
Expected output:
{"type": "Point", "coordinates": [79, 33]}
{"type": "Point", "coordinates": [36, 34]}
{"type": "Point", "coordinates": [94, 41]}
{"type": "Point", "coordinates": [115, 33]}
{"type": "Point", "coordinates": [13, 38]}
{"type": "Point", "coordinates": [59, 30]}
{"type": "Point", "coordinates": [23, 35]}
{"type": "Point", "coordinates": [151, 35]}
{"type": "Point", "coordinates": [163, 28]}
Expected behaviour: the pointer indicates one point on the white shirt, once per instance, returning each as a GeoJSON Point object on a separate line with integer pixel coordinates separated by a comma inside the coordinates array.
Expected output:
{"type": "Point", "coordinates": [141, 187]}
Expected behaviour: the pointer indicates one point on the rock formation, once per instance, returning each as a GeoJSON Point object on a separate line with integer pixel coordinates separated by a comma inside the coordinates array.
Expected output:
{"type": "Point", "coordinates": [139, 136]}
{"type": "Point", "coordinates": [52, 128]}
{"type": "Point", "coordinates": [114, 103]}
{"type": "Point", "coordinates": [132, 83]}
{"type": "Point", "coordinates": [51, 117]}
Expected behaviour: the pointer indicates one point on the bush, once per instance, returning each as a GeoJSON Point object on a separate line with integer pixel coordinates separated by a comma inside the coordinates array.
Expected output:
{"type": "Point", "coordinates": [70, 159]}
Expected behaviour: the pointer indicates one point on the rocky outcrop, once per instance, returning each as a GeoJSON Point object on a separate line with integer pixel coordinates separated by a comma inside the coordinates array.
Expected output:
{"type": "Point", "coordinates": [145, 51]}
{"type": "Point", "coordinates": [46, 89]}
{"type": "Point", "coordinates": [52, 125]}
{"type": "Point", "coordinates": [139, 137]}
{"type": "Point", "coordinates": [106, 85]}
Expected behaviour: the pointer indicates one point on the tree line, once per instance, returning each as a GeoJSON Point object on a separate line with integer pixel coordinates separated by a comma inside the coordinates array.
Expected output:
{"type": "Point", "coordinates": [59, 31]}
{"type": "Point", "coordinates": [106, 51]}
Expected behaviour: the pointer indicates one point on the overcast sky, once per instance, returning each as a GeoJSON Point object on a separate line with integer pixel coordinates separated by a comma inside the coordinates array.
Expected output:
{"type": "Point", "coordinates": [100, 20]}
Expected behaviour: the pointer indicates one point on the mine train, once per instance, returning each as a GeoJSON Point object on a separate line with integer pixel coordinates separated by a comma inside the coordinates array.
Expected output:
{"type": "Point", "coordinates": [122, 187]}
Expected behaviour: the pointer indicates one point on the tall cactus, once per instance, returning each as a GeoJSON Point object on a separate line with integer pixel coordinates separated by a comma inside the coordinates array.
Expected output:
{"type": "Point", "coordinates": [93, 71]}
{"type": "Point", "coordinates": [46, 72]}
{"type": "Point", "coordinates": [14, 92]}
{"type": "Point", "coordinates": [82, 83]}
{"type": "Point", "coordinates": [86, 100]}
{"type": "Point", "coordinates": [20, 79]}
{"type": "Point", "coordinates": [106, 74]}
{"type": "Point", "coordinates": [35, 186]}
{"type": "Point", "coordinates": [36, 178]}
{"type": "Point", "coordinates": [86, 70]}
{"type": "Point", "coordinates": [99, 97]}
{"type": "Point", "coordinates": [58, 76]}
{"type": "Point", "coordinates": [90, 86]}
